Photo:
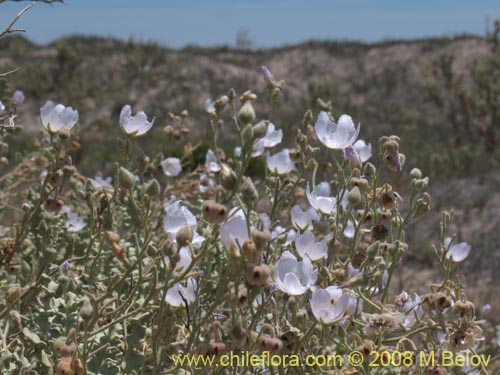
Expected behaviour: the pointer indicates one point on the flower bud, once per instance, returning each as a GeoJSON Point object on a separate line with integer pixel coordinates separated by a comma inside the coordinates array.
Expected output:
{"type": "Point", "coordinates": [259, 130]}
{"type": "Point", "coordinates": [4, 161]}
{"type": "Point", "coordinates": [118, 251]}
{"type": "Point", "coordinates": [13, 293]}
{"type": "Point", "coordinates": [250, 252]}
{"type": "Point", "coordinates": [379, 232]}
{"type": "Point", "coordinates": [184, 236]}
{"type": "Point", "coordinates": [416, 173]}
{"type": "Point", "coordinates": [248, 190]}
{"type": "Point", "coordinates": [153, 188]}
{"type": "Point", "coordinates": [420, 184]}
{"type": "Point", "coordinates": [64, 347]}
{"type": "Point", "coordinates": [247, 134]}
{"type": "Point", "coordinates": [55, 205]}
{"type": "Point", "coordinates": [214, 212]}
{"type": "Point", "coordinates": [246, 113]}
{"type": "Point", "coordinates": [69, 366]}
{"type": "Point", "coordinates": [231, 94]}
{"type": "Point", "coordinates": [228, 177]}
{"type": "Point", "coordinates": [126, 179]}
{"type": "Point", "coordinates": [261, 238]}
{"type": "Point", "coordinates": [354, 196]}
{"type": "Point", "coordinates": [87, 310]}
{"type": "Point", "coordinates": [111, 237]}
{"type": "Point", "coordinates": [370, 169]}
{"type": "Point", "coordinates": [68, 170]}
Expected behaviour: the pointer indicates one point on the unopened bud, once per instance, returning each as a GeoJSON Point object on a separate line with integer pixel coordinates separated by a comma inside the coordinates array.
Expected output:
{"type": "Point", "coordinates": [259, 130]}
{"type": "Point", "coordinates": [153, 188]}
{"type": "Point", "coordinates": [248, 190]}
{"type": "Point", "coordinates": [354, 196]}
{"type": "Point", "coordinates": [416, 173]}
{"type": "Point", "coordinates": [247, 134]}
{"type": "Point", "coordinates": [227, 177]}
{"type": "Point", "coordinates": [13, 293]}
{"type": "Point", "coordinates": [126, 179]}
{"type": "Point", "coordinates": [184, 236]}
{"type": "Point", "coordinates": [246, 113]}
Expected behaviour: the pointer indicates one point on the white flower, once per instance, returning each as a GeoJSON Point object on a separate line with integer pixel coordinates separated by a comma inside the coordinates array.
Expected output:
{"type": "Point", "coordinates": [177, 217]}
{"type": "Point", "coordinates": [178, 295]}
{"type": "Point", "coordinates": [336, 136]}
{"type": "Point", "coordinates": [349, 229]}
{"type": "Point", "coordinates": [209, 106]}
{"type": "Point", "coordinates": [98, 182]}
{"type": "Point", "coordinates": [206, 183]}
{"type": "Point", "coordinates": [237, 152]}
{"type": "Point", "coordinates": [329, 305]}
{"type": "Point", "coordinates": [234, 231]}
{"type": "Point", "coordinates": [320, 198]}
{"type": "Point", "coordinates": [211, 162]}
{"type": "Point", "coordinates": [280, 163]}
{"type": "Point", "coordinates": [2, 107]}
{"type": "Point", "coordinates": [307, 246]}
{"type": "Point", "coordinates": [171, 166]}
{"type": "Point", "coordinates": [302, 219]}
{"type": "Point", "coordinates": [134, 126]}
{"type": "Point", "coordinates": [294, 277]}
{"type": "Point", "coordinates": [409, 305]}
{"type": "Point", "coordinates": [18, 97]}
{"type": "Point", "coordinates": [457, 252]}
{"type": "Point", "coordinates": [58, 117]}
{"type": "Point", "coordinates": [43, 176]}
{"type": "Point", "coordinates": [74, 223]}
{"type": "Point", "coordinates": [272, 138]}
{"type": "Point", "coordinates": [358, 152]}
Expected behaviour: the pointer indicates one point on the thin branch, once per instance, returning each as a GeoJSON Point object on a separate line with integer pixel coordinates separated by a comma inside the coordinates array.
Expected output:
{"type": "Point", "coordinates": [10, 72]}
{"type": "Point", "coordinates": [8, 29]}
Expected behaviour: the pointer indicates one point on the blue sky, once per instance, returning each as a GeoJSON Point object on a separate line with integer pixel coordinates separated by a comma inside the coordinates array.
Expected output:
{"type": "Point", "coordinates": [176, 23]}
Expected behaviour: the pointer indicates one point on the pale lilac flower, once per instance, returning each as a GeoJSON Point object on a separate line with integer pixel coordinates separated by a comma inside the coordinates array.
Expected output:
{"type": "Point", "coordinates": [211, 162]}
{"type": "Point", "coordinates": [336, 136]}
{"type": "Point", "coordinates": [349, 229]}
{"type": "Point", "coordinates": [360, 151]}
{"type": "Point", "coordinates": [234, 231]}
{"type": "Point", "coordinates": [267, 74]}
{"type": "Point", "coordinates": [73, 223]}
{"type": "Point", "coordinates": [98, 182]}
{"type": "Point", "coordinates": [178, 217]}
{"type": "Point", "coordinates": [18, 97]}
{"type": "Point", "coordinates": [272, 138]}
{"type": "Point", "coordinates": [486, 309]}
{"type": "Point", "coordinates": [302, 219]}
{"type": "Point", "coordinates": [457, 252]}
{"type": "Point", "coordinates": [171, 166]}
{"type": "Point", "coordinates": [320, 198]}
{"type": "Point", "coordinates": [294, 277]}
{"type": "Point", "coordinates": [329, 305]}
{"type": "Point", "coordinates": [307, 246]}
{"type": "Point", "coordinates": [280, 163]}
{"type": "Point", "coordinates": [281, 234]}
{"type": "Point", "coordinates": [134, 126]}
{"type": "Point", "coordinates": [179, 294]}
{"type": "Point", "coordinates": [2, 107]}
{"type": "Point", "coordinates": [58, 117]}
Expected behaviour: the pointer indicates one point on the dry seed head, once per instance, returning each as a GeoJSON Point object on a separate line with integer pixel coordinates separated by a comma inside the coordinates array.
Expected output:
{"type": "Point", "coordinates": [213, 212]}
{"type": "Point", "coordinates": [54, 205]}
{"type": "Point", "coordinates": [13, 293]}
{"type": "Point", "coordinates": [69, 366]}
{"type": "Point", "coordinates": [258, 275]}
{"type": "Point", "coordinates": [111, 237]}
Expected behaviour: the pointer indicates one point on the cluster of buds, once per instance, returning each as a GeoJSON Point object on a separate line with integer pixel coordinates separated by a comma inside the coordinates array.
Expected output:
{"type": "Point", "coordinates": [274, 86]}
{"type": "Point", "coordinates": [113, 240]}
{"type": "Point", "coordinates": [177, 127]}
{"type": "Point", "coordinates": [389, 150]}
{"type": "Point", "coordinates": [257, 273]}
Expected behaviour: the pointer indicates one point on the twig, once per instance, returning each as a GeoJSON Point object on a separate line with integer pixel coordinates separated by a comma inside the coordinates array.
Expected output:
{"type": "Point", "coordinates": [8, 29]}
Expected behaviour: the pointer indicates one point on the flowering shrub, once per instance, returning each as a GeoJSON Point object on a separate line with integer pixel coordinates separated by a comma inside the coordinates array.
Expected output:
{"type": "Point", "coordinates": [120, 274]}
